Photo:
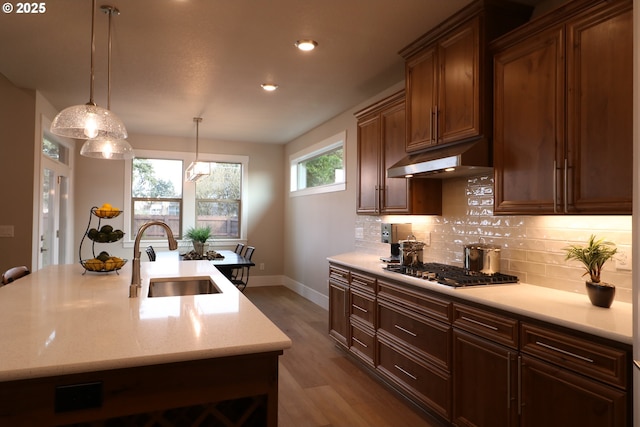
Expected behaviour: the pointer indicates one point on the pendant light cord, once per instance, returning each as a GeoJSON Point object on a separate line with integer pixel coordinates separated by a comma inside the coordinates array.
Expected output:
{"type": "Point", "coordinates": [197, 120]}
{"type": "Point", "coordinates": [93, 48]}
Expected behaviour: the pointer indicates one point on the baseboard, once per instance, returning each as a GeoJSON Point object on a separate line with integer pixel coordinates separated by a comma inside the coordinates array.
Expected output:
{"type": "Point", "coordinates": [297, 287]}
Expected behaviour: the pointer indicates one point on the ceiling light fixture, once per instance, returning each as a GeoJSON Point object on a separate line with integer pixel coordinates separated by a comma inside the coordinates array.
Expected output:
{"type": "Point", "coordinates": [108, 148]}
{"type": "Point", "coordinates": [88, 121]}
{"type": "Point", "coordinates": [197, 169]}
{"type": "Point", "coordinates": [269, 87]}
{"type": "Point", "coordinates": [306, 45]}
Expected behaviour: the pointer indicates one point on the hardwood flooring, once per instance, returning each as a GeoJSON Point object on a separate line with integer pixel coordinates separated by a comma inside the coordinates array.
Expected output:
{"type": "Point", "coordinates": [319, 386]}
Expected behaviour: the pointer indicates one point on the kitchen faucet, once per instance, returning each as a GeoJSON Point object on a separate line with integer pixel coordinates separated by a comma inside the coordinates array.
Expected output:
{"type": "Point", "coordinates": [134, 288]}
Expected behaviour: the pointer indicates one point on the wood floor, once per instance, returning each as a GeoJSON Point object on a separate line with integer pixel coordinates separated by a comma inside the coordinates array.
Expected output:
{"type": "Point", "coordinates": [319, 385]}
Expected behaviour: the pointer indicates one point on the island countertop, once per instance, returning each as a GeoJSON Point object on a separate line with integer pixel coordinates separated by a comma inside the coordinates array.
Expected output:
{"type": "Point", "coordinates": [59, 321]}
{"type": "Point", "coordinates": [563, 308]}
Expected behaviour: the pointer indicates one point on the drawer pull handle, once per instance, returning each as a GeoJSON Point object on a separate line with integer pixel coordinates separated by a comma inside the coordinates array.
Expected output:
{"type": "Point", "coordinates": [364, 310]}
{"type": "Point", "coordinates": [406, 331]}
{"type": "Point", "coordinates": [405, 372]}
{"type": "Point", "coordinates": [568, 353]}
{"type": "Point", "coordinates": [493, 328]}
{"type": "Point", "coordinates": [359, 342]}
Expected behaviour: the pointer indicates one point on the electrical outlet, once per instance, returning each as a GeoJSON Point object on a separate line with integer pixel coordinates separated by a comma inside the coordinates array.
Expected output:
{"type": "Point", "coordinates": [427, 238]}
{"type": "Point", "coordinates": [262, 266]}
{"type": "Point", "coordinates": [623, 258]}
{"type": "Point", "coordinates": [359, 233]}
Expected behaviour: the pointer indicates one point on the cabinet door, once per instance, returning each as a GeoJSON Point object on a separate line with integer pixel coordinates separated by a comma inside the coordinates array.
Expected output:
{"type": "Point", "coordinates": [368, 165]}
{"type": "Point", "coordinates": [552, 396]}
{"type": "Point", "coordinates": [458, 113]}
{"type": "Point", "coordinates": [338, 312]}
{"type": "Point", "coordinates": [600, 111]}
{"type": "Point", "coordinates": [395, 191]}
{"type": "Point", "coordinates": [484, 383]}
{"type": "Point", "coordinates": [529, 125]}
{"type": "Point", "coordinates": [421, 72]}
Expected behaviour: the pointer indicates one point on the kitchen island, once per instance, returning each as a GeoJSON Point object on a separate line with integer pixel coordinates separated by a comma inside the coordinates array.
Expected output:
{"type": "Point", "coordinates": [75, 349]}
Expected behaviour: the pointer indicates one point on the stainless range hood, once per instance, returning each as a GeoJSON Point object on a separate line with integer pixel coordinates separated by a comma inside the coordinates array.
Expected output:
{"type": "Point", "coordinates": [463, 159]}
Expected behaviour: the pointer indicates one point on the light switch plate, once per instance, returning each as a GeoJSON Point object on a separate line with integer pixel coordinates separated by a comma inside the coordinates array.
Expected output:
{"type": "Point", "coordinates": [623, 258]}
{"type": "Point", "coordinates": [6, 230]}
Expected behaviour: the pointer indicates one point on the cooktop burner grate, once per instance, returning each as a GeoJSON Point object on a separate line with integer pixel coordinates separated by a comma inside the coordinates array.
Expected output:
{"type": "Point", "coordinates": [451, 275]}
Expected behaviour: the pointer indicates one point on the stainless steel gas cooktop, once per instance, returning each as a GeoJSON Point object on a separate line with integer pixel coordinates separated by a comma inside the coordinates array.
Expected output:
{"type": "Point", "coordinates": [451, 275]}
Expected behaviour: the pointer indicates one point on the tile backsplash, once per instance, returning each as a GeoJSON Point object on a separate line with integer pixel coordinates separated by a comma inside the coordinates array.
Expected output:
{"type": "Point", "coordinates": [532, 246]}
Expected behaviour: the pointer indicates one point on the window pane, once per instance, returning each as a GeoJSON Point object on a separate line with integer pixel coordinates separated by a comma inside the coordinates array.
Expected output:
{"type": "Point", "coordinates": [324, 169]}
{"type": "Point", "coordinates": [218, 199]}
{"type": "Point", "coordinates": [157, 210]}
{"type": "Point", "coordinates": [54, 150]}
{"type": "Point", "coordinates": [157, 178]}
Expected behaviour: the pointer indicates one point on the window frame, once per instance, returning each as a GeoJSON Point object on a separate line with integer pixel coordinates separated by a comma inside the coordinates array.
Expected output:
{"type": "Point", "coordinates": [188, 193]}
{"type": "Point", "coordinates": [325, 146]}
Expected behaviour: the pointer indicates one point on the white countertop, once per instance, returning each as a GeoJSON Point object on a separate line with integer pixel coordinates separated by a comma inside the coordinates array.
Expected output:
{"type": "Point", "coordinates": [58, 321]}
{"type": "Point", "coordinates": [568, 309]}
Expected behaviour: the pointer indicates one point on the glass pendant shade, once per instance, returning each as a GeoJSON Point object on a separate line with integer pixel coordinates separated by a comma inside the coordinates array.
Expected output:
{"type": "Point", "coordinates": [87, 122]}
{"type": "Point", "coordinates": [197, 170]}
{"type": "Point", "coordinates": [110, 149]}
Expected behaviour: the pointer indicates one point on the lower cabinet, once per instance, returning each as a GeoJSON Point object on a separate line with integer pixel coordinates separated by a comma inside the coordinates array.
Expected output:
{"type": "Point", "coordinates": [472, 365]}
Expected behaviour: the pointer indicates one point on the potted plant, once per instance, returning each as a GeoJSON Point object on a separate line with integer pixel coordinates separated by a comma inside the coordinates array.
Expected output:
{"type": "Point", "coordinates": [199, 236]}
{"type": "Point", "coordinates": [593, 256]}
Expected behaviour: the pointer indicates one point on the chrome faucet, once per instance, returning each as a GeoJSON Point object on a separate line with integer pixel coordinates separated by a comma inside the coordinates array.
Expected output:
{"type": "Point", "coordinates": [134, 288]}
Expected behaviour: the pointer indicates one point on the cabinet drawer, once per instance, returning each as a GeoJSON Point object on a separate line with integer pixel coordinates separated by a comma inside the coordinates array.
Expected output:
{"type": "Point", "coordinates": [339, 274]}
{"type": "Point", "coordinates": [363, 282]}
{"type": "Point", "coordinates": [598, 361]}
{"type": "Point", "coordinates": [363, 307]}
{"type": "Point", "coordinates": [429, 338]}
{"type": "Point", "coordinates": [425, 383]}
{"type": "Point", "coordinates": [362, 343]}
{"type": "Point", "coordinates": [494, 327]}
{"type": "Point", "coordinates": [420, 302]}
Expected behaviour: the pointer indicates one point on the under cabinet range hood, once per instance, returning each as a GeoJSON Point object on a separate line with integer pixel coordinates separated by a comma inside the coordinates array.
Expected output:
{"type": "Point", "coordinates": [463, 159]}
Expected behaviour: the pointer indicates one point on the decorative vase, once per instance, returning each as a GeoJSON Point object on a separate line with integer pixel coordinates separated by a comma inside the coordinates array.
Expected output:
{"type": "Point", "coordinates": [199, 247]}
{"type": "Point", "coordinates": [601, 294]}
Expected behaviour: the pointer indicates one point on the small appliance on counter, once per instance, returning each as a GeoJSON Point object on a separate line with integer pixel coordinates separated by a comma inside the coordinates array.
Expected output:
{"type": "Point", "coordinates": [392, 234]}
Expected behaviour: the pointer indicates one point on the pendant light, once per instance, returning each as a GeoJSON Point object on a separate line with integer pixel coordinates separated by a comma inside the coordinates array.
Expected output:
{"type": "Point", "coordinates": [108, 148]}
{"type": "Point", "coordinates": [197, 169]}
{"type": "Point", "coordinates": [88, 121]}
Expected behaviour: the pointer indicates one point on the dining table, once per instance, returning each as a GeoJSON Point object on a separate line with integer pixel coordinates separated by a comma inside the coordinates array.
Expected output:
{"type": "Point", "coordinates": [227, 262]}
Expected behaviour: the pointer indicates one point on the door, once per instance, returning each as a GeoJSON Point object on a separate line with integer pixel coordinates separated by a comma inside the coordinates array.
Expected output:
{"type": "Point", "coordinates": [396, 190]}
{"type": "Point", "coordinates": [368, 165]}
{"type": "Point", "coordinates": [54, 227]}
{"type": "Point", "coordinates": [421, 74]}
{"type": "Point", "coordinates": [529, 125]}
{"type": "Point", "coordinates": [600, 107]}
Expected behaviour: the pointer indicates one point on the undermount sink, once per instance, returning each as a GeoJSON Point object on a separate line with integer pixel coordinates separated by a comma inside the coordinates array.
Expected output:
{"type": "Point", "coordinates": [180, 286]}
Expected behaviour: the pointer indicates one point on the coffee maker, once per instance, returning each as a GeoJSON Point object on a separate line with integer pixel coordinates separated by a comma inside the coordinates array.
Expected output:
{"type": "Point", "coordinates": [393, 233]}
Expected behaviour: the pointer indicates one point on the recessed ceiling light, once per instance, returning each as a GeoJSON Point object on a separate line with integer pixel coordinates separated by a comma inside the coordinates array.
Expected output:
{"type": "Point", "coordinates": [269, 87]}
{"type": "Point", "coordinates": [306, 45]}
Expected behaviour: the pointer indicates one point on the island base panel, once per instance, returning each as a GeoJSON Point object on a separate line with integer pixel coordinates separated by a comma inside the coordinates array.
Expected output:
{"type": "Point", "coordinates": [242, 389]}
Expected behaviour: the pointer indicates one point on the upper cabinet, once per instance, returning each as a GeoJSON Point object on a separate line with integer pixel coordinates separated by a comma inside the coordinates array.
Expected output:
{"type": "Point", "coordinates": [449, 77]}
{"type": "Point", "coordinates": [563, 112]}
{"type": "Point", "coordinates": [381, 136]}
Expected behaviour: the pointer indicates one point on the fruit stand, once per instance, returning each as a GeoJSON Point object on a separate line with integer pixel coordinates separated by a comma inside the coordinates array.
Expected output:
{"type": "Point", "coordinates": [103, 262]}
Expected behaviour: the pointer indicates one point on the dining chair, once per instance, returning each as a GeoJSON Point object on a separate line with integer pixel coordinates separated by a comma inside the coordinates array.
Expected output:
{"type": "Point", "coordinates": [241, 278]}
{"type": "Point", "coordinates": [14, 273]}
{"type": "Point", "coordinates": [151, 253]}
{"type": "Point", "coordinates": [239, 248]}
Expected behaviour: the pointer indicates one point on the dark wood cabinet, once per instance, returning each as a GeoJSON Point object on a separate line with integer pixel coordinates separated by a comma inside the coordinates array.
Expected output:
{"type": "Point", "coordinates": [563, 112]}
{"type": "Point", "coordinates": [339, 305]}
{"type": "Point", "coordinates": [485, 368]}
{"type": "Point", "coordinates": [448, 75]}
{"type": "Point", "coordinates": [569, 380]}
{"type": "Point", "coordinates": [473, 365]}
{"type": "Point", "coordinates": [381, 136]}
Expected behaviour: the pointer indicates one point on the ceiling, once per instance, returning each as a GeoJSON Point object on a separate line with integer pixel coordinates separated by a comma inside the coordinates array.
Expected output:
{"type": "Point", "coordinates": [173, 60]}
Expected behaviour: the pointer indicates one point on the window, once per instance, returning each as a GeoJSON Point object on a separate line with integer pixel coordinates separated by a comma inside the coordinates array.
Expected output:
{"type": "Point", "coordinates": [219, 199]}
{"type": "Point", "coordinates": [155, 189]}
{"type": "Point", "coordinates": [156, 192]}
{"type": "Point", "coordinates": [320, 168]}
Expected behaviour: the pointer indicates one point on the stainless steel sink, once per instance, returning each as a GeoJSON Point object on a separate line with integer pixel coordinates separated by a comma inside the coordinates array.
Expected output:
{"type": "Point", "coordinates": [179, 286]}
